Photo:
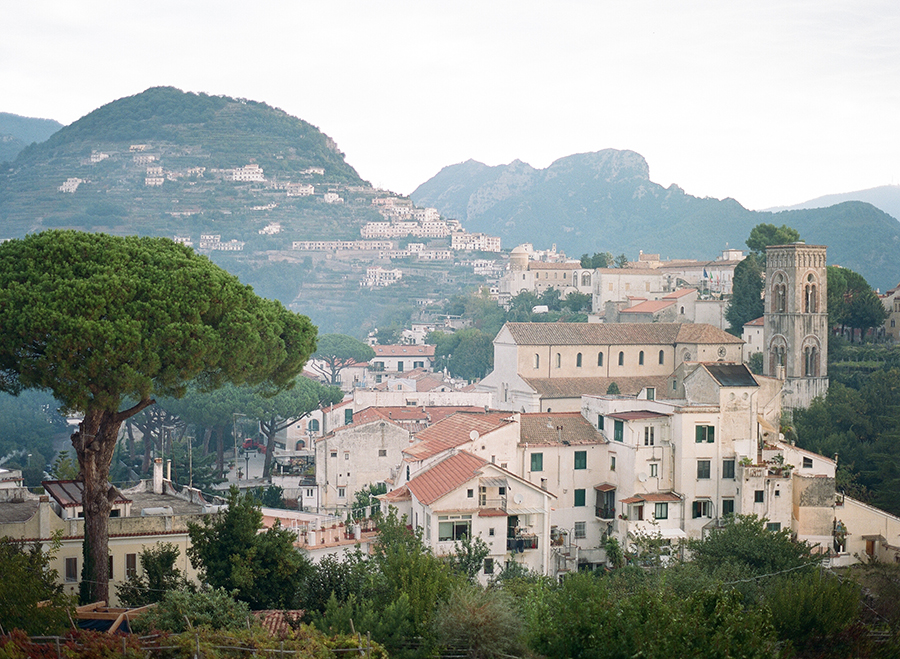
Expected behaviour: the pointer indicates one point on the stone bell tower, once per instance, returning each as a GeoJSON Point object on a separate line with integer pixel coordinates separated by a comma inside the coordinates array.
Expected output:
{"type": "Point", "coordinates": [795, 333]}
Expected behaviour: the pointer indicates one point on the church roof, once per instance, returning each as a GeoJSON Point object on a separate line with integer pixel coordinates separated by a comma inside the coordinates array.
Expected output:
{"type": "Point", "coordinates": [617, 334]}
{"type": "Point", "coordinates": [577, 387]}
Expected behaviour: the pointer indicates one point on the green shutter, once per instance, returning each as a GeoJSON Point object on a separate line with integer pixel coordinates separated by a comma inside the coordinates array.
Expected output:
{"type": "Point", "coordinates": [579, 498]}
{"type": "Point", "coordinates": [710, 434]}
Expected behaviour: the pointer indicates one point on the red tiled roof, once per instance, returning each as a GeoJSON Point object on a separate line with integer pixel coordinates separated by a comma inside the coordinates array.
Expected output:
{"type": "Point", "coordinates": [444, 477]}
{"type": "Point", "coordinates": [617, 334]}
{"type": "Point", "coordinates": [577, 387]}
{"type": "Point", "coordinates": [650, 306]}
{"type": "Point", "coordinates": [403, 351]}
{"type": "Point", "coordinates": [400, 494]}
{"type": "Point", "coordinates": [553, 428]}
{"type": "Point", "coordinates": [604, 487]}
{"type": "Point", "coordinates": [455, 430]}
{"type": "Point", "coordinates": [681, 292]}
{"type": "Point", "coordinates": [758, 322]}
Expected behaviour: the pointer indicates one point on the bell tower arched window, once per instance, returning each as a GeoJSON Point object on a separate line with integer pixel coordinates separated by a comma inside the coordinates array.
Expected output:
{"type": "Point", "coordinates": [810, 295]}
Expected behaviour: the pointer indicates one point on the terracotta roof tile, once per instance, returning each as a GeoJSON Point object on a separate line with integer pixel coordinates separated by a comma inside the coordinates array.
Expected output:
{"type": "Point", "coordinates": [445, 476]}
{"type": "Point", "coordinates": [455, 430]}
{"type": "Point", "coordinates": [575, 387]}
{"type": "Point", "coordinates": [558, 428]}
{"type": "Point", "coordinates": [542, 265]}
{"type": "Point", "coordinates": [681, 292]}
{"type": "Point", "coordinates": [653, 497]}
{"type": "Point", "coordinates": [403, 351]}
{"type": "Point", "coordinates": [617, 333]}
{"type": "Point", "coordinates": [757, 322]}
{"type": "Point", "coordinates": [650, 306]}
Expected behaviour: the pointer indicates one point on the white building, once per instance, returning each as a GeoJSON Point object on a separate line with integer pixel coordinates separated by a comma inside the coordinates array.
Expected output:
{"type": "Point", "coordinates": [250, 172]}
{"type": "Point", "coordinates": [376, 277]}
{"type": "Point", "coordinates": [71, 185]}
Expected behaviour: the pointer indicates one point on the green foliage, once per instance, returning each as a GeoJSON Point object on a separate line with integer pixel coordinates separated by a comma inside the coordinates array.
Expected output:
{"type": "Point", "coordinates": [755, 363]}
{"type": "Point", "coordinates": [810, 609]}
{"type": "Point", "coordinates": [615, 557]}
{"type": "Point", "coordinates": [339, 351]}
{"type": "Point", "coordinates": [28, 422]}
{"type": "Point", "coordinates": [365, 504]}
{"type": "Point", "coordinates": [551, 298]}
{"type": "Point", "coordinates": [180, 611]}
{"type": "Point", "coordinates": [467, 354]}
{"type": "Point", "coordinates": [745, 541]}
{"type": "Point", "coordinates": [467, 557]}
{"type": "Point", "coordinates": [64, 467]}
{"type": "Point", "coordinates": [598, 260]}
{"type": "Point", "coordinates": [480, 622]}
{"type": "Point", "coordinates": [763, 235]}
{"type": "Point", "coordinates": [263, 569]}
{"type": "Point", "coordinates": [746, 302]}
{"type": "Point", "coordinates": [613, 389]}
{"type": "Point", "coordinates": [338, 578]}
{"type": "Point", "coordinates": [621, 261]}
{"type": "Point", "coordinates": [852, 302]}
{"type": "Point", "coordinates": [157, 576]}
{"type": "Point", "coordinates": [28, 580]}
{"type": "Point", "coordinates": [578, 302]}
{"type": "Point", "coordinates": [270, 497]}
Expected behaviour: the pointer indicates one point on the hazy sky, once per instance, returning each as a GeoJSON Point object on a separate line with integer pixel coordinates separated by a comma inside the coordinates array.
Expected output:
{"type": "Point", "coordinates": [767, 102]}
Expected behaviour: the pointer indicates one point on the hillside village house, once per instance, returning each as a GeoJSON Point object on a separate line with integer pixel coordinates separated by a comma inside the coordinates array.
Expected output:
{"type": "Point", "coordinates": [548, 366]}
{"type": "Point", "coordinates": [752, 335]}
{"type": "Point", "coordinates": [152, 512]}
{"type": "Point", "coordinates": [390, 360]}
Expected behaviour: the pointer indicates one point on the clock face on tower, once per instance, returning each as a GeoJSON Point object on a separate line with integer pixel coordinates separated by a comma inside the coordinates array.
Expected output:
{"type": "Point", "coordinates": [721, 352]}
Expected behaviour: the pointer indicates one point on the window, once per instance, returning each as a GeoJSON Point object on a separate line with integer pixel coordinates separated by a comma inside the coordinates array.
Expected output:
{"type": "Point", "coordinates": [579, 498]}
{"type": "Point", "coordinates": [71, 569]}
{"type": "Point", "coordinates": [728, 468]}
{"type": "Point", "coordinates": [648, 436]}
{"type": "Point", "coordinates": [501, 491]}
{"type": "Point", "coordinates": [651, 393]}
{"type": "Point", "coordinates": [599, 359]}
{"type": "Point", "coordinates": [585, 279]}
{"type": "Point", "coordinates": [578, 360]}
{"type": "Point", "coordinates": [619, 431]}
{"type": "Point", "coordinates": [454, 527]}
{"type": "Point", "coordinates": [418, 364]}
{"type": "Point", "coordinates": [580, 531]}
{"type": "Point", "coordinates": [470, 493]}
{"type": "Point", "coordinates": [342, 492]}
{"type": "Point", "coordinates": [537, 462]}
{"type": "Point", "coordinates": [727, 507]}
{"type": "Point", "coordinates": [654, 470]}
{"type": "Point", "coordinates": [348, 417]}
{"type": "Point", "coordinates": [661, 511]}
{"type": "Point", "coordinates": [701, 508]}
{"type": "Point", "coordinates": [774, 527]}
{"type": "Point", "coordinates": [130, 565]}
{"type": "Point", "coordinates": [558, 360]}
{"type": "Point", "coordinates": [807, 463]}
{"type": "Point", "coordinates": [400, 366]}
{"type": "Point", "coordinates": [662, 357]}
{"type": "Point", "coordinates": [705, 434]}
{"type": "Point", "coordinates": [537, 360]}
{"type": "Point", "coordinates": [382, 453]}
{"type": "Point", "coordinates": [491, 531]}
{"type": "Point", "coordinates": [621, 359]}
{"type": "Point", "coordinates": [581, 459]}
{"type": "Point", "coordinates": [599, 422]}
{"type": "Point", "coordinates": [612, 463]}
{"type": "Point", "coordinates": [313, 425]}
{"type": "Point", "coordinates": [310, 493]}
{"type": "Point", "coordinates": [489, 566]}
{"type": "Point", "coordinates": [110, 573]}
{"type": "Point", "coordinates": [641, 358]}
{"type": "Point", "coordinates": [702, 469]}
{"type": "Point", "coordinates": [759, 496]}
{"type": "Point", "coordinates": [334, 454]}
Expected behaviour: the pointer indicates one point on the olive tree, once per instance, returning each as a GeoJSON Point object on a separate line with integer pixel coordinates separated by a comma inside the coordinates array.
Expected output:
{"type": "Point", "coordinates": [108, 323]}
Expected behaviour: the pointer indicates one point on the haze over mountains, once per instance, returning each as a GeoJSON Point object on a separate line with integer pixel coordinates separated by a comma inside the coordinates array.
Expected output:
{"type": "Point", "coordinates": [885, 197]}
{"type": "Point", "coordinates": [18, 132]}
{"type": "Point", "coordinates": [605, 201]}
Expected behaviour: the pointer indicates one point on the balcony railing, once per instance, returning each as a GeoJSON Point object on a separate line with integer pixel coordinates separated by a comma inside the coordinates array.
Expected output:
{"type": "Point", "coordinates": [498, 503]}
{"type": "Point", "coordinates": [522, 542]}
{"type": "Point", "coordinates": [605, 513]}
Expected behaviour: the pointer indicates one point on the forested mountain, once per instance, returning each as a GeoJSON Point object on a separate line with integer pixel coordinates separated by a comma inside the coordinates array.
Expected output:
{"type": "Point", "coordinates": [17, 132]}
{"type": "Point", "coordinates": [884, 197]}
{"type": "Point", "coordinates": [605, 201]}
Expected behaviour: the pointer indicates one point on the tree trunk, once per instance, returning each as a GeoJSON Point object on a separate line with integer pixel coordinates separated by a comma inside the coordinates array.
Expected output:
{"type": "Point", "coordinates": [207, 433]}
{"type": "Point", "coordinates": [130, 430]}
{"type": "Point", "coordinates": [220, 451]}
{"type": "Point", "coordinates": [94, 443]}
{"type": "Point", "coordinates": [270, 432]}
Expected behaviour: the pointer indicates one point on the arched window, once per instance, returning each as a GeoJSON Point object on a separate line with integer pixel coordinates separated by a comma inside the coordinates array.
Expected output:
{"type": "Point", "coordinates": [682, 311]}
{"type": "Point", "coordinates": [586, 279]}
{"type": "Point", "coordinates": [599, 359]}
{"type": "Point", "coordinates": [662, 357]}
{"type": "Point", "coordinates": [621, 359]}
{"type": "Point", "coordinates": [779, 294]}
{"type": "Point", "coordinates": [641, 358]}
{"type": "Point", "coordinates": [558, 360]}
{"type": "Point", "coordinates": [313, 425]}
{"type": "Point", "coordinates": [537, 360]}
{"type": "Point", "coordinates": [810, 298]}
{"type": "Point", "coordinates": [578, 360]}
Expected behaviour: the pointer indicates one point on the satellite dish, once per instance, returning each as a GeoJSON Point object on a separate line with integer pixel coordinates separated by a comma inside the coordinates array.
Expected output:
{"type": "Point", "coordinates": [473, 435]}
{"type": "Point", "coordinates": [642, 477]}
{"type": "Point", "coordinates": [518, 498]}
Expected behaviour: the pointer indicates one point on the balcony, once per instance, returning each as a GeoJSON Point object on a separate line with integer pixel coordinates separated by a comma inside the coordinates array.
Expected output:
{"type": "Point", "coordinates": [605, 513]}
{"type": "Point", "coordinates": [522, 542]}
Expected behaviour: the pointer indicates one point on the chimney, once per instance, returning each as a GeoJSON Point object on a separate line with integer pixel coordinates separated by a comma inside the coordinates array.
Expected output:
{"type": "Point", "coordinates": [44, 516]}
{"type": "Point", "coordinates": [157, 476]}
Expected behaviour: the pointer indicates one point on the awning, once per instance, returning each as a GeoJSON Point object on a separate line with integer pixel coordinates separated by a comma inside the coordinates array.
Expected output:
{"type": "Point", "coordinates": [767, 427]}
{"type": "Point", "coordinates": [492, 482]}
{"type": "Point", "coordinates": [604, 487]}
{"type": "Point", "coordinates": [672, 533]}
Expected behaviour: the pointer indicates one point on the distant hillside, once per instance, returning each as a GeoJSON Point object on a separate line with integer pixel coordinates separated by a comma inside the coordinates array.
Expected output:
{"type": "Point", "coordinates": [884, 197]}
{"type": "Point", "coordinates": [18, 132]}
{"type": "Point", "coordinates": [605, 201]}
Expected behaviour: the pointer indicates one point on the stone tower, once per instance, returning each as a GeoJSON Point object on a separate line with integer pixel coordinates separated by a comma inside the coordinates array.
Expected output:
{"type": "Point", "coordinates": [795, 333]}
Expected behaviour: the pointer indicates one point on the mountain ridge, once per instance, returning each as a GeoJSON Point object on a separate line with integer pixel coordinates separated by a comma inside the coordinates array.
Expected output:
{"type": "Point", "coordinates": [606, 201]}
